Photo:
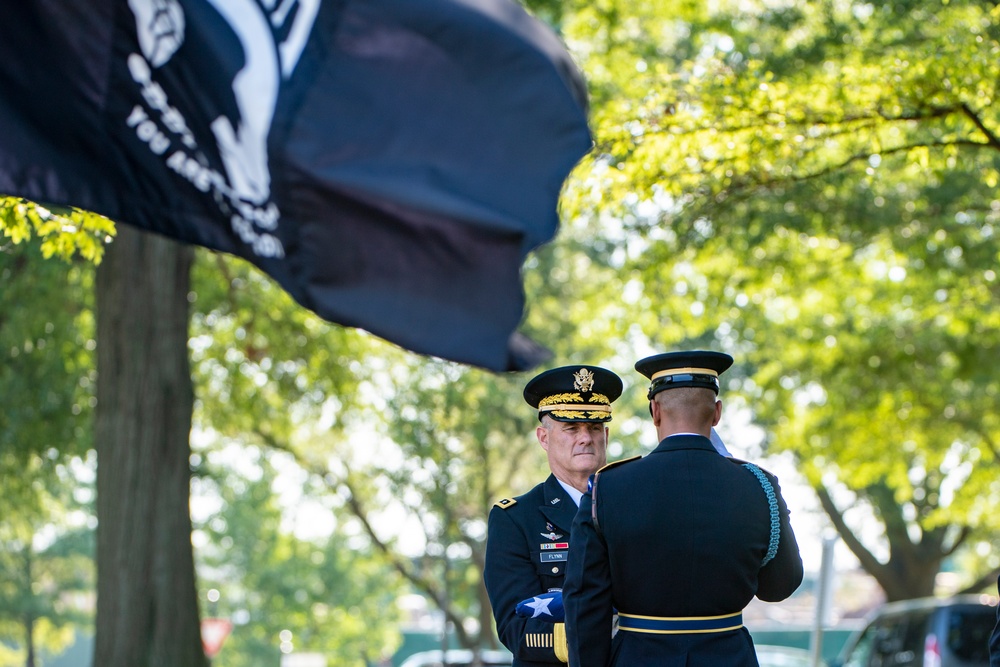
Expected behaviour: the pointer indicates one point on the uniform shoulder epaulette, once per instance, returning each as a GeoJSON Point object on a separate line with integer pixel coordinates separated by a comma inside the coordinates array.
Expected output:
{"type": "Point", "coordinates": [617, 463]}
{"type": "Point", "coordinates": [746, 463]}
{"type": "Point", "coordinates": [592, 487]}
{"type": "Point", "coordinates": [505, 503]}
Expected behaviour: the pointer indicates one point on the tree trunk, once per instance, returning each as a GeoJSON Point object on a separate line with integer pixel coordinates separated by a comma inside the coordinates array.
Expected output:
{"type": "Point", "coordinates": [29, 616]}
{"type": "Point", "coordinates": [147, 606]}
{"type": "Point", "coordinates": [29, 632]}
{"type": "Point", "coordinates": [911, 568]}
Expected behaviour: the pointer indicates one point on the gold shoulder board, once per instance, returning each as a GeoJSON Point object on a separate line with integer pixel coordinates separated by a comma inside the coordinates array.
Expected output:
{"type": "Point", "coordinates": [505, 503]}
{"type": "Point", "coordinates": [617, 463]}
{"type": "Point", "coordinates": [593, 489]}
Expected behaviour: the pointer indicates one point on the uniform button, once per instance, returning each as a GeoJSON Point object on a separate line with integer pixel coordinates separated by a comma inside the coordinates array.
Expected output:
{"type": "Point", "coordinates": [555, 570]}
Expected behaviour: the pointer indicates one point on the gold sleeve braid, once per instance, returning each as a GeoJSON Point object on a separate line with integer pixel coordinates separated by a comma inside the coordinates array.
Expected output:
{"type": "Point", "coordinates": [555, 640]}
{"type": "Point", "coordinates": [559, 644]}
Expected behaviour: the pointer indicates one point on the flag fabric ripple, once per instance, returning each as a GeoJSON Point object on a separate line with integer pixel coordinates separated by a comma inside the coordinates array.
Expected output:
{"type": "Point", "coordinates": [390, 163]}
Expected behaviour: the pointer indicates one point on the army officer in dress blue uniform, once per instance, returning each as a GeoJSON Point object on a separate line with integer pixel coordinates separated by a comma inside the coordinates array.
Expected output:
{"type": "Point", "coordinates": [528, 541]}
{"type": "Point", "coordinates": [678, 541]}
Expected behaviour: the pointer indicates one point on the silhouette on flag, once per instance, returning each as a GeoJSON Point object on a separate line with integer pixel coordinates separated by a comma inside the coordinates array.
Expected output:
{"type": "Point", "coordinates": [390, 163]}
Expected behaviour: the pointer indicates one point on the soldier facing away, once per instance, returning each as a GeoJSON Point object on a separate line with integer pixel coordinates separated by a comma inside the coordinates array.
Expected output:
{"type": "Point", "coordinates": [679, 541]}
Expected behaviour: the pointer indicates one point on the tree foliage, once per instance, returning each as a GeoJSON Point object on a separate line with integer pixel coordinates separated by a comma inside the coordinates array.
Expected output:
{"type": "Point", "coordinates": [47, 379]}
{"type": "Point", "coordinates": [63, 232]}
{"type": "Point", "coordinates": [317, 594]}
{"type": "Point", "coordinates": [813, 187]}
{"type": "Point", "coordinates": [46, 560]}
{"type": "Point", "coordinates": [46, 347]}
{"type": "Point", "coordinates": [390, 434]}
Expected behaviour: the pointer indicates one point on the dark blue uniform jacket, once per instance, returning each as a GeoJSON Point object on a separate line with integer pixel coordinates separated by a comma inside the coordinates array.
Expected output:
{"type": "Point", "coordinates": [683, 533]}
{"type": "Point", "coordinates": [526, 554]}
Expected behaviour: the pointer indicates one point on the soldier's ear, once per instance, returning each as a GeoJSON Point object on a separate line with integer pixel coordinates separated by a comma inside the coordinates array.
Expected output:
{"type": "Point", "coordinates": [542, 434]}
{"type": "Point", "coordinates": [655, 412]}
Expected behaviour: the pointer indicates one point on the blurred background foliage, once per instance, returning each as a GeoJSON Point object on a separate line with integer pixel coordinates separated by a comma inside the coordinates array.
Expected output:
{"type": "Point", "coordinates": [810, 187]}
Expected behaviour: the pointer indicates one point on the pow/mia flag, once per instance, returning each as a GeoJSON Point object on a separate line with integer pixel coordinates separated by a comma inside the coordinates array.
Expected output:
{"type": "Point", "coordinates": [389, 162]}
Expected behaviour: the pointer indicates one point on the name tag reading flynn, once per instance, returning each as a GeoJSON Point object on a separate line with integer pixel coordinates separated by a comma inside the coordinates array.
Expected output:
{"type": "Point", "coordinates": [554, 557]}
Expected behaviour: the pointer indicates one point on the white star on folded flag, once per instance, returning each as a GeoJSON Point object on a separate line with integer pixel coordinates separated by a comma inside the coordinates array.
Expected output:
{"type": "Point", "coordinates": [540, 605]}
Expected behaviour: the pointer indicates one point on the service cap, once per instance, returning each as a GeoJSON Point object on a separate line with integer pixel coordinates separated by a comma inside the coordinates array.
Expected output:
{"type": "Point", "coordinates": [692, 368]}
{"type": "Point", "coordinates": [577, 393]}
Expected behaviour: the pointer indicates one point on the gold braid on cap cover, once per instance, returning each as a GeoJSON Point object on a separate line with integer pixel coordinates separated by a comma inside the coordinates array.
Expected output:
{"type": "Point", "coordinates": [561, 405]}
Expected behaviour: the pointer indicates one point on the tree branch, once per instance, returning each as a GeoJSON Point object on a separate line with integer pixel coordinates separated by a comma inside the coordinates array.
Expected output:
{"type": "Point", "coordinates": [856, 122]}
{"type": "Point", "coordinates": [867, 559]}
{"type": "Point", "coordinates": [988, 580]}
{"type": "Point", "coordinates": [991, 138]}
{"type": "Point", "coordinates": [991, 445]}
{"type": "Point", "coordinates": [425, 584]}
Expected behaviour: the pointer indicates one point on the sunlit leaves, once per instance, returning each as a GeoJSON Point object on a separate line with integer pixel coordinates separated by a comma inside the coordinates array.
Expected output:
{"type": "Point", "coordinates": [47, 380]}
{"type": "Point", "coordinates": [799, 102]}
{"type": "Point", "coordinates": [811, 186]}
{"type": "Point", "coordinates": [263, 364]}
{"type": "Point", "coordinates": [317, 594]}
{"type": "Point", "coordinates": [46, 554]}
{"type": "Point", "coordinates": [64, 232]}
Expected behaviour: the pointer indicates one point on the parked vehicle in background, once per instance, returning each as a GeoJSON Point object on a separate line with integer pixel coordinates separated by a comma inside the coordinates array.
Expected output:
{"type": "Point", "coordinates": [927, 632]}
{"type": "Point", "coordinates": [458, 657]}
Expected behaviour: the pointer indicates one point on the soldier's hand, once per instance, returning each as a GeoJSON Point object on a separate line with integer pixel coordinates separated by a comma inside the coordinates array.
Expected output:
{"type": "Point", "coordinates": [547, 606]}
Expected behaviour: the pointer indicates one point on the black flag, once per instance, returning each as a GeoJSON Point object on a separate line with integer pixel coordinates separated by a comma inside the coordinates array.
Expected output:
{"type": "Point", "coordinates": [389, 162]}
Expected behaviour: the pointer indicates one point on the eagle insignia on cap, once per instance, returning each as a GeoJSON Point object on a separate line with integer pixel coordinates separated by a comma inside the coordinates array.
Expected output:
{"type": "Point", "coordinates": [584, 380]}
{"type": "Point", "coordinates": [574, 393]}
